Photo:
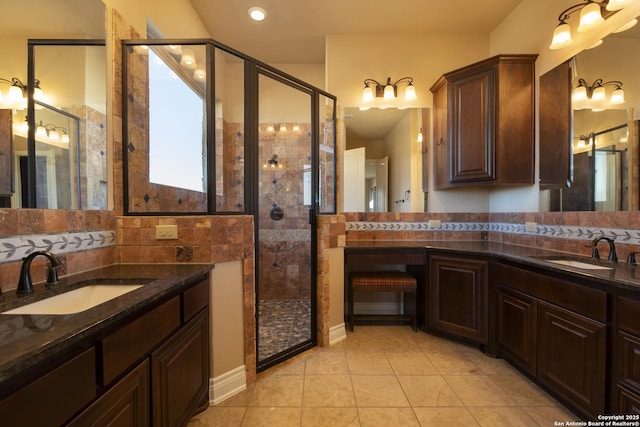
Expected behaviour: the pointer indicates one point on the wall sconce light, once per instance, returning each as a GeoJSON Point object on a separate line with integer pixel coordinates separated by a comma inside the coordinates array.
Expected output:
{"type": "Point", "coordinates": [420, 135]}
{"type": "Point", "coordinates": [273, 162]}
{"type": "Point", "coordinates": [590, 17]}
{"type": "Point", "coordinates": [388, 91]}
{"type": "Point", "coordinates": [594, 96]}
{"type": "Point", "coordinates": [18, 92]}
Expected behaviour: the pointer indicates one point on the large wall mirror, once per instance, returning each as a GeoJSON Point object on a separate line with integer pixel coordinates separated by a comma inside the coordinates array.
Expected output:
{"type": "Point", "coordinates": [53, 146]}
{"type": "Point", "coordinates": [378, 162]}
{"type": "Point", "coordinates": [605, 133]}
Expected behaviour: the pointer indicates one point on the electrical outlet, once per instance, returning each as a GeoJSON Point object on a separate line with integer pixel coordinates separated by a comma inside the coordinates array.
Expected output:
{"type": "Point", "coordinates": [166, 232]}
{"type": "Point", "coordinates": [531, 227]}
{"type": "Point", "coordinates": [434, 223]}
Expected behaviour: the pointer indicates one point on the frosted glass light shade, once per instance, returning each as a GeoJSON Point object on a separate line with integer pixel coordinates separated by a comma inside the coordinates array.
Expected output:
{"type": "Point", "coordinates": [410, 93]}
{"type": "Point", "coordinates": [618, 4]}
{"type": "Point", "coordinates": [590, 16]}
{"type": "Point", "coordinates": [389, 92]}
{"type": "Point", "coordinates": [41, 132]}
{"type": "Point", "coordinates": [617, 97]}
{"type": "Point", "coordinates": [188, 59]}
{"type": "Point", "coordinates": [627, 26]}
{"type": "Point", "coordinates": [367, 94]}
{"type": "Point", "coordinates": [579, 94]}
{"type": "Point", "coordinates": [561, 36]}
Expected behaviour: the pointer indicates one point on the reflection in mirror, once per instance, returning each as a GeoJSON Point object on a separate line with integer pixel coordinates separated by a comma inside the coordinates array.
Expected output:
{"type": "Point", "coordinates": [372, 135]}
{"type": "Point", "coordinates": [166, 121]}
{"type": "Point", "coordinates": [70, 71]}
{"type": "Point", "coordinates": [605, 136]}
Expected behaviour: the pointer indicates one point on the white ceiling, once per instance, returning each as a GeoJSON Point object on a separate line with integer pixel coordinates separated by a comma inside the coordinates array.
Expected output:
{"type": "Point", "coordinates": [295, 30]}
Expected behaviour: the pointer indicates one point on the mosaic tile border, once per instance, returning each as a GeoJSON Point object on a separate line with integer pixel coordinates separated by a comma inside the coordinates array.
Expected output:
{"type": "Point", "coordinates": [284, 235]}
{"type": "Point", "coordinates": [577, 232]}
{"type": "Point", "coordinates": [14, 248]}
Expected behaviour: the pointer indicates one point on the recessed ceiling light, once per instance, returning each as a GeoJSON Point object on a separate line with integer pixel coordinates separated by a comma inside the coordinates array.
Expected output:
{"type": "Point", "coordinates": [257, 13]}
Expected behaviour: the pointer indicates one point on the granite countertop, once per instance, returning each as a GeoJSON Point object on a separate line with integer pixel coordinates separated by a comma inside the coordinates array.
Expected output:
{"type": "Point", "coordinates": [620, 274]}
{"type": "Point", "coordinates": [27, 340]}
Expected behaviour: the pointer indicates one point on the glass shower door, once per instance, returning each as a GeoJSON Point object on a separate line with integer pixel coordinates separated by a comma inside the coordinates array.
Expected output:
{"type": "Point", "coordinates": [285, 236]}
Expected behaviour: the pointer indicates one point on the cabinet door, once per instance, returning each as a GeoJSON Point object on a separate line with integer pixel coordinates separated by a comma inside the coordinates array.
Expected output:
{"type": "Point", "coordinates": [628, 402]}
{"type": "Point", "coordinates": [458, 297]}
{"type": "Point", "coordinates": [180, 373]}
{"type": "Point", "coordinates": [126, 404]}
{"type": "Point", "coordinates": [629, 360]}
{"type": "Point", "coordinates": [571, 356]}
{"type": "Point", "coordinates": [556, 128]}
{"type": "Point", "coordinates": [471, 111]}
{"type": "Point", "coordinates": [517, 328]}
{"type": "Point", "coordinates": [440, 136]}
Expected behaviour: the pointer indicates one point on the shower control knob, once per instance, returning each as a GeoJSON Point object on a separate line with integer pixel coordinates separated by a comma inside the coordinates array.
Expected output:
{"type": "Point", "coordinates": [276, 214]}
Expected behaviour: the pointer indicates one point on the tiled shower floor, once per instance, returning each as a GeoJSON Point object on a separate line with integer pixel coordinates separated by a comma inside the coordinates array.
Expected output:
{"type": "Point", "coordinates": [282, 324]}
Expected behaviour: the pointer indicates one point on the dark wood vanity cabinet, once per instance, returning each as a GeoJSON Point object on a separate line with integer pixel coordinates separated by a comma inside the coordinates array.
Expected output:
{"type": "Point", "coordinates": [457, 297]}
{"type": "Point", "coordinates": [152, 368]}
{"type": "Point", "coordinates": [627, 367]}
{"type": "Point", "coordinates": [516, 327]}
{"type": "Point", "coordinates": [484, 123]}
{"type": "Point", "coordinates": [555, 330]}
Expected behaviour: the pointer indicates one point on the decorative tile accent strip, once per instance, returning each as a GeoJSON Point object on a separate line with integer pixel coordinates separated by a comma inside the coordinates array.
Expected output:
{"type": "Point", "coordinates": [578, 232]}
{"type": "Point", "coordinates": [415, 226]}
{"type": "Point", "coordinates": [14, 248]}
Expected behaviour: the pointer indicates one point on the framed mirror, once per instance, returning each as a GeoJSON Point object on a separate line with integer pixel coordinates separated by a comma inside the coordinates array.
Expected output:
{"type": "Point", "coordinates": [604, 142]}
{"type": "Point", "coordinates": [379, 166]}
{"type": "Point", "coordinates": [54, 99]}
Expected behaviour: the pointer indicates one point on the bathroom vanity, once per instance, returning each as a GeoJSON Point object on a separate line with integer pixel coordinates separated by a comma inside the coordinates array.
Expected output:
{"type": "Point", "coordinates": [138, 359]}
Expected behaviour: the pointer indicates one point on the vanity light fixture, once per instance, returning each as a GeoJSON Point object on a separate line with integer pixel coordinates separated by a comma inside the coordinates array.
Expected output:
{"type": "Point", "coordinates": [590, 16]}
{"type": "Point", "coordinates": [388, 91]}
{"type": "Point", "coordinates": [257, 13]}
{"type": "Point", "coordinates": [618, 4]}
{"type": "Point", "coordinates": [594, 96]}
{"type": "Point", "coordinates": [18, 92]}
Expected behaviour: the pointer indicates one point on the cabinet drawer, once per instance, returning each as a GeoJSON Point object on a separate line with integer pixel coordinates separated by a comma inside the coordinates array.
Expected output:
{"type": "Point", "coordinates": [575, 297]}
{"type": "Point", "coordinates": [126, 404]}
{"type": "Point", "coordinates": [135, 340]}
{"type": "Point", "coordinates": [54, 398]}
{"type": "Point", "coordinates": [195, 299]}
{"type": "Point", "coordinates": [628, 315]}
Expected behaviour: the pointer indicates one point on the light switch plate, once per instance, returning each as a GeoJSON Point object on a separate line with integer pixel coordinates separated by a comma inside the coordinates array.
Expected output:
{"type": "Point", "coordinates": [531, 227]}
{"type": "Point", "coordinates": [166, 232]}
{"type": "Point", "coordinates": [434, 223]}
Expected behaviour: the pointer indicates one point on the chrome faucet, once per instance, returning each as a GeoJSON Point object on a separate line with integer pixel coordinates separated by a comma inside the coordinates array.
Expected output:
{"type": "Point", "coordinates": [24, 285]}
{"type": "Point", "coordinates": [612, 248]}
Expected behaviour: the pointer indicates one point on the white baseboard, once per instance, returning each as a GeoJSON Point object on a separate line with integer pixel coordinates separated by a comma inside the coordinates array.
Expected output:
{"type": "Point", "coordinates": [337, 333]}
{"type": "Point", "coordinates": [226, 385]}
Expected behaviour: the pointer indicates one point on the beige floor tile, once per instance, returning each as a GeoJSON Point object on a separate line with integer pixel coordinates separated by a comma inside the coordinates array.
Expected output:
{"type": "Point", "coordinates": [397, 343]}
{"type": "Point", "coordinates": [478, 390]}
{"type": "Point", "coordinates": [328, 363]}
{"type": "Point", "coordinates": [489, 365]}
{"type": "Point", "coordinates": [291, 367]}
{"type": "Point", "coordinates": [547, 415]}
{"type": "Point", "coordinates": [359, 342]}
{"type": "Point", "coordinates": [240, 399]}
{"type": "Point", "coordinates": [378, 391]}
{"type": "Point", "coordinates": [441, 417]}
{"type": "Point", "coordinates": [328, 391]}
{"type": "Point", "coordinates": [330, 417]}
{"type": "Point", "coordinates": [502, 417]}
{"type": "Point", "coordinates": [452, 363]}
{"type": "Point", "coordinates": [391, 417]}
{"type": "Point", "coordinates": [278, 390]}
{"type": "Point", "coordinates": [411, 363]}
{"type": "Point", "coordinates": [428, 390]}
{"type": "Point", "coordinates": [270, 417]}
{"type": "Point", "coordinates": [522, 391]}
{"type": "Point", "coordinates": [218, 416]}
{"type": "Point", "coordinates": [361, 363]}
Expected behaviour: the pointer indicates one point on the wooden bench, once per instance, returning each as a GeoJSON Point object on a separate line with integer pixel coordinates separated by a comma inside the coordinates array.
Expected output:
{"type": "Point", "coordinates": [383, 281]}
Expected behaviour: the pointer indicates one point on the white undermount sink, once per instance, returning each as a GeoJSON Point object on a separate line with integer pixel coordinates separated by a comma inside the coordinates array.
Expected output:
{"type": "Point", "coordinates": [579, 264]}
{"type": "Point", "coordinates": [75, 301]}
